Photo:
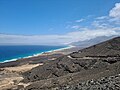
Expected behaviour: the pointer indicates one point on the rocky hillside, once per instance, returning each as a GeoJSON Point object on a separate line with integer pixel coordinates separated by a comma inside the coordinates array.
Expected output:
{"type": "Point", "coordinates": [64, 73]}
{"type": "Point", "coordinates": [108, 48]}
{"type": "Point", "coordinates": [93, 41]}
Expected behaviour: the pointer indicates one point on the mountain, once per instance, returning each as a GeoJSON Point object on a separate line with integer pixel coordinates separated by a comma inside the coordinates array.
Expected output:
{"type": "Point", "coordinates": [93, 41]}
{"type": "Point", "coordinates": [87, 69]}
{"type": "Point", "coordinates": [107, 48]}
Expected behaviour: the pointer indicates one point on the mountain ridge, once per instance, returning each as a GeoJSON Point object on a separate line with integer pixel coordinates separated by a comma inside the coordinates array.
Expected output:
{"type": "Point", "coordinates": [76, 67]}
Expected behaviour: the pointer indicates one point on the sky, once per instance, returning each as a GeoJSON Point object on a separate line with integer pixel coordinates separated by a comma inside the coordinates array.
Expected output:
{"type": "Point", "coordinates": [51, 22]}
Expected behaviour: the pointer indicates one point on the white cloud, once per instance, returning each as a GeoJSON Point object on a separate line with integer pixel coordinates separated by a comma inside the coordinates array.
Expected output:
{"type": "Point", "coordinates": [100, 26]}
{"type": "Point", "coordinates": [80, 20]}
{"type": "Point", "coordinates": [75, 27]}
{"type": "Point", "coordinates": [87, 33]}
{"type": "Point", "coordinates": [102, 17]}
{"type": "Point", "coordinates": [115, 12]}
{"type": "Point", "coordinates": [83, 34]}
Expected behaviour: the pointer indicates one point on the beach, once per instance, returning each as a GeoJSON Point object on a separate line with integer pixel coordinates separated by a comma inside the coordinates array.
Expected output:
{"type": "Point", "coordinates": [38, 54]}
{"type": "Point", "coordinates": [71, 67]}
{"type": "Point", "coordinates": [10, 71]}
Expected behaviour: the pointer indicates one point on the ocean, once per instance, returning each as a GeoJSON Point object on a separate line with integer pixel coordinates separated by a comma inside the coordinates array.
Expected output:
{"type": "Point", "coordinates": [9, 53]}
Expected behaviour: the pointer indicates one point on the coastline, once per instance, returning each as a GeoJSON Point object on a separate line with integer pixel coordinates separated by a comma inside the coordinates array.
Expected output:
{"type": "Point", "coordinates": [11, 70]}
{"type": "Point", "coordinates": [39, 54]}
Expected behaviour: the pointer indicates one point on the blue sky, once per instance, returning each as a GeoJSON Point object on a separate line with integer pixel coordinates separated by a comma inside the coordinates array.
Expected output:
{"type": "Point", "coordinates": [47, 16]}
{"type": "Point", "coordinates": [56, 19]}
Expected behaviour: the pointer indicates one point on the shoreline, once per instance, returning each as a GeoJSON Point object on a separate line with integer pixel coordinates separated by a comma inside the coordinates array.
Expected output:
{"type": "Point", "coordinates": [38, 54]}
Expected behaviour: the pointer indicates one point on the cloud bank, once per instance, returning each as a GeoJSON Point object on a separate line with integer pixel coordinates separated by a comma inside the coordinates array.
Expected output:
{"type": "Point", "coordinates": [100, 26]}
{"type": "Point", "coordinates": [115, 12]}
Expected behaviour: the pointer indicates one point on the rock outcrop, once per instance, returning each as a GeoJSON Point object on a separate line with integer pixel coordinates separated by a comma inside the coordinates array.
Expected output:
{"type": "Point", "coordinates": [92, 63]}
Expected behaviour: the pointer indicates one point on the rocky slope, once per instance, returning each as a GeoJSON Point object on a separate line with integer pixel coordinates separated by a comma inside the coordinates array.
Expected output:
{"type": "Point", "coordinates": [108, 48]}
{"type": "Point", "coordinates": [93, 41]}
{"type": "Point", "coordinates": [92, 63]}
{"type": "Point", "coordinates": [104, 83]}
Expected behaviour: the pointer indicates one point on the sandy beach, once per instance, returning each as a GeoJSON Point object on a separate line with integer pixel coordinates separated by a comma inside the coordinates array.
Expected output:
{"type": "Point", "coordinates": [10, 71]}
{"type": "Point", "coordinates": [61, 50]}
{"type": "Point", "coordinates": [57, 68]}
{"type": "Point", "coordinates": [11, 76]}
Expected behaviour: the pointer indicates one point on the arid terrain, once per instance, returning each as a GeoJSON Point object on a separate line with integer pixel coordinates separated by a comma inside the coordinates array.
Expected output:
{"type": "Point", "coordinates": [11, 72]}
{"type": "Point", "coordinates": [93, 68]}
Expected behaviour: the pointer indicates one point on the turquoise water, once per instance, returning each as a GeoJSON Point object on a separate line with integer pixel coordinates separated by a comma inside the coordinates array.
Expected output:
{"type": "Point", "coordinates": [8, 53]}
